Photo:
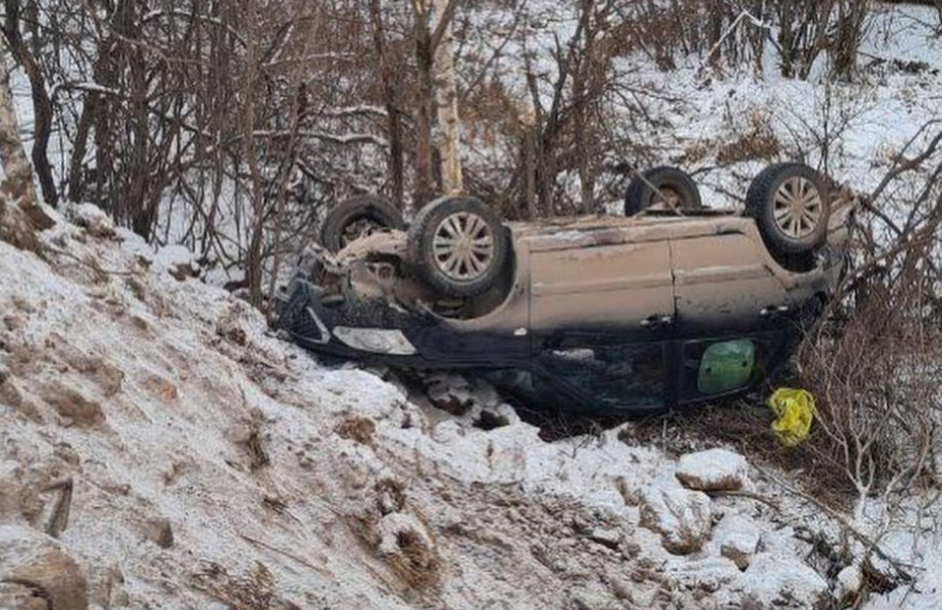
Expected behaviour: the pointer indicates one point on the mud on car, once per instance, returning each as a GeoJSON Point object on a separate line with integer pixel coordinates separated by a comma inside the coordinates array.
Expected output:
{"type": "Point", "coordinates": [670, 305]}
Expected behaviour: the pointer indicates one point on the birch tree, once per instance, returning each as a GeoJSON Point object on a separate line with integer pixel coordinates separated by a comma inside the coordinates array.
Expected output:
{"type": "Point", "coordinates": [438, 96]}
{"type": "Point", "coordinates": [20, 216]}
{"type": "Point", "coordinates": [446, 95]}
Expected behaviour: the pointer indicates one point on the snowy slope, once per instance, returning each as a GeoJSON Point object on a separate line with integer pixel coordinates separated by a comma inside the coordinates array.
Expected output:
{"type": "Point", "coordinates": [212, 463]}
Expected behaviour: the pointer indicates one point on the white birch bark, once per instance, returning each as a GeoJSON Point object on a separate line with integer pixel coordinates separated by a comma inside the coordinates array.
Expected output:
{"type": "Point", "coordinates": [19, 214]}
{"type": "Point", "coordinates": [446, 97]}
{"type": "Point", "coordinates": [16, 166]}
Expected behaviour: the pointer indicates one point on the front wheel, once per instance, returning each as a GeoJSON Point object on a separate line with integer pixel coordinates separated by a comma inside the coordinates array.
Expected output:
{"type": "Point", "coordinates": [791, 205]}
{"type": "Point", "coordinates": [459, 246]}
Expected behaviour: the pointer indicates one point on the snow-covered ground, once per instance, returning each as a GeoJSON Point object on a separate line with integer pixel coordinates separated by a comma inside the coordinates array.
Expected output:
{"type": "Point", "coordinates": [213, 465]}
{"type": "Point", "coordinates": [187, 458]}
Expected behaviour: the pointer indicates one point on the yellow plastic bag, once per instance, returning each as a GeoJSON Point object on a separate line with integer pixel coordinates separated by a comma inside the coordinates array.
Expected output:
{"type": "Point", "coordinates": [795, 412]}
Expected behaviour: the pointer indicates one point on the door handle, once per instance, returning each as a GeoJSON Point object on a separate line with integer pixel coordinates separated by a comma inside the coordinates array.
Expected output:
{"type": "Point", "coordinates": [657, 321]}
{"type": "Point", "coordinates": [773, 310]}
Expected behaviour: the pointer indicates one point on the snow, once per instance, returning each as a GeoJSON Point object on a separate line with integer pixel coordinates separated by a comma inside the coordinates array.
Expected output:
{"type": "Point", "coordinates": [774, 582]}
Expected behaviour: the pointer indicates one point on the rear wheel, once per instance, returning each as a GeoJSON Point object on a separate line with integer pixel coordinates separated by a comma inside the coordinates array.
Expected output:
{"type": "Point", "coordinates": [665, 188]}
{"type": "Point", "coordinates": [791, 206]}
{"type": "Point", "coordinates": [459, 246]}
{"type": "Point", "coordinates": [358, 217]}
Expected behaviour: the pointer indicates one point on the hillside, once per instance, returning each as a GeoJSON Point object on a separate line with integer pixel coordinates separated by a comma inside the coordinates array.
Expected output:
{"type": "Point", "coordinates": [186, 458]}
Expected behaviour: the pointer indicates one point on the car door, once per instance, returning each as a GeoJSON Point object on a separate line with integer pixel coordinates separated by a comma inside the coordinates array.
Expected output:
{"type": "Point", "coordinates": [722, 282]}
{"type": "Point", "coordinates": [621, 288]}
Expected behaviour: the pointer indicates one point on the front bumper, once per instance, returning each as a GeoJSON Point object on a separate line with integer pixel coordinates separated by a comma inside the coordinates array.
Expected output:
{"type": "Point", "coordinates": [374, 330]}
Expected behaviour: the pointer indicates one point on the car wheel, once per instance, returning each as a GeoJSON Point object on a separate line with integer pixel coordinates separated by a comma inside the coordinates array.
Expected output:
{"type": "Point", "coordinates": [791, 206]}
{"type": "Point", "coordinates": [358, 217]}
{"type": "Point", "coordinates": [459, 246]}
{"type": "Point", "coordinates": [662, 188]}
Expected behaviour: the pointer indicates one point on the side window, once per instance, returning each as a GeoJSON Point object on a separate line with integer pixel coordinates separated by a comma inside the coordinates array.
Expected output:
{"type": "Point", "coordinates": [715, 368]}
{"type": "Point", "coordinates": [618, 376]}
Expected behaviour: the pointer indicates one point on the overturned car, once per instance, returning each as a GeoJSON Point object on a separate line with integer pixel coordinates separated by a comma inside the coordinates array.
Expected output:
{"type": "Point", "coordinates": [672, 305]}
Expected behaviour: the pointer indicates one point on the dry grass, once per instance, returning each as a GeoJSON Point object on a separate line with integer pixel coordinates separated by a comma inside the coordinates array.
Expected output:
{"type": "Point", "coordinates": [415, 560]}
{"type": "Point", "coordinates": [416, 563]}
{"type": "Point", "coordinates": [359, 429]}
{"type": "Point", "coordinates": [255, 591]}
{"type": "Point", "coordinates": [746, 427]}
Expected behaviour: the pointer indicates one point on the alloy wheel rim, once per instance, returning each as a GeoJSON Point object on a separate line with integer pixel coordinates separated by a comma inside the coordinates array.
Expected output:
{"type": "Point", "coordinates": [463, 246]}
{"type": "Point", "coordinates": [798, 208]}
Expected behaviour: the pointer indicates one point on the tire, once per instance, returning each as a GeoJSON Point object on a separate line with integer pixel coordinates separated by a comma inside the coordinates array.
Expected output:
{"type": "Point", "coordinates": [792, 206]}
{"type": "Point", "coordinates": [372, 212]}
{"type": "Point", "coordinates": [670, 181]}
{"type": "Point", "coordinates": [456, 272]}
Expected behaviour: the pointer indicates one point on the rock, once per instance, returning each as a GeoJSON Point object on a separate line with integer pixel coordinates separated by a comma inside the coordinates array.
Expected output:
{"type": "Point", "coordinates": [610, 538]}
{"type": "Point", "coordinates": [737, 538]}
{"type": "Point", "coordinates": [712, 470]}
{"type": "Point", "coordinates": [776, 582]}
{"type": "Point", "coordinates": [72, 405]}
{"type": "Point", "coordinates": [488, 420]}
{"type": "Point", "coordinates": [94, 220]}
{"type": "Point", "coordinates": [709, 574]}
{"type": "Point", "coordinates": [162, 388]}
{"type": "Point", "coordinates": [682, 517]}
{"type": "Point", "coordinates": [160, 532]}
{"type": "Point", "coordinates": [450, 393]}
{"type": "Point", "coordinates": [38, 563]}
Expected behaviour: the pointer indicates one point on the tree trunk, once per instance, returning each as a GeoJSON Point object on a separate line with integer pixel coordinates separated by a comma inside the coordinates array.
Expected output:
{"type": "Point", "coordinates": [253, 267]}
{"type": "Point", "coordinates": [42, 105]}
{"type": "Point", "coordinates": [20, 216]}
{"type": "Point", "coordinates": [391, 100]}
{"type": "Point", "coordinates": [446, 95]}
{"type": "Point", "coordinates": [423, 144]}
{"type": "Point", "coordinates": [528, 125]}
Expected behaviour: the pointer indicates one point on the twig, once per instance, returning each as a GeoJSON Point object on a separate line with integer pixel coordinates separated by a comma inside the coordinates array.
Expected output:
{"type": "Point", "coordinates": [94, 267]}
{"type": "Point", "coordinates": [746, 494]}
{"type": "Point", "coordinates": [59, 520]}
{"type": "Point", "coordinates": [273, 549]}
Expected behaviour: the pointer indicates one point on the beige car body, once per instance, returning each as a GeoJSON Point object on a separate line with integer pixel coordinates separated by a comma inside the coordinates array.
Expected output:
{"type": "Point", "coordinates": [651, 279]}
